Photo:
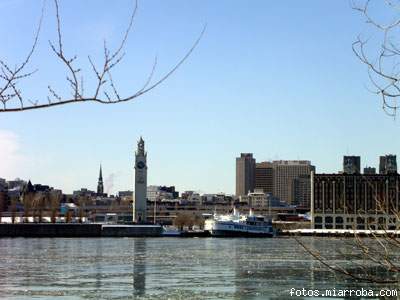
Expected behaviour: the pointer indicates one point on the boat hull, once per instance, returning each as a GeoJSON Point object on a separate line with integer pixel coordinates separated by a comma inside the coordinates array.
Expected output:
{"type": "Point", "coordinates": [231, 233]}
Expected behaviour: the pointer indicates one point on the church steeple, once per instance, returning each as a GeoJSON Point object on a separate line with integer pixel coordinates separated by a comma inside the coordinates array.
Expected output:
{"type": "Point", "coordinates": [100, 187]}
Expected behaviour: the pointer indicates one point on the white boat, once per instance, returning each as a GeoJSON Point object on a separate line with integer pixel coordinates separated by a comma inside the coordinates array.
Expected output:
{"type": "Point", "coordinates": [239, 225]}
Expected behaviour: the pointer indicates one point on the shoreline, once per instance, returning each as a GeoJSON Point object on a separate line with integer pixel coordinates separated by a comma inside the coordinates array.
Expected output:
{"type": "Point", "coordinates": [77, 230]}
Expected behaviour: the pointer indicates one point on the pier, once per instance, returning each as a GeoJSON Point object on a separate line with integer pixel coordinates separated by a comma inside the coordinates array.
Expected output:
{"type": "Point", "coordinates": [339, 232]}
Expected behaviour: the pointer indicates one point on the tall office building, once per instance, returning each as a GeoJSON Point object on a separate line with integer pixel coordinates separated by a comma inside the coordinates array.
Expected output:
{"type": "Point", "coordinates": [351, 165]}
{"type": "Point", "coordinates": [388, 164]}
{"type": "Point", "coordinates": [285, 173]}
{"type": "Point", "coordinates": [301, 191]}
{"type": "Point", "coordinates": [265, 177]}
{"type": "Point", "coordinates": [140, 201]}
{"type": "Point", "coordinates": [245, 174]}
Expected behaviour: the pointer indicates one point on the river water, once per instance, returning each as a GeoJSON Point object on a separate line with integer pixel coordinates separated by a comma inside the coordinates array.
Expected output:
{"type": "Point", "coordinates": [167, 268]}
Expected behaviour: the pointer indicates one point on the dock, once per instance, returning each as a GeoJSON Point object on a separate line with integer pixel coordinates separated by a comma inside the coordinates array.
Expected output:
{"type": "Point", "coordinates": [339, 232]}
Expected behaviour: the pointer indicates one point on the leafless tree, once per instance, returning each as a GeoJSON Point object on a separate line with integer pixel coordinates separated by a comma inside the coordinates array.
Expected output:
{"type": "Point", "coordinates": [27, 201]}
{"type": "Point", "coordinates": [54, 199]}
{"type": "Point", "coordinates": [68, 216]}
{"type": "Point", "coordinates": [382, 56]}
{"type": "Point", "coordinates": [39, 202]}
{"type": "Point", "coordinates": [105, 92]}
{"type": "Point", "coordinates": [83, 201]}
{"type": "Point", "coordinates": [13, 208]}
{"type": "Point", "coordinates": [198, 220]}
{"type": "Point", "coordinates": [367, 255]}
{"type": "Point", "coordinates": [183, 219]}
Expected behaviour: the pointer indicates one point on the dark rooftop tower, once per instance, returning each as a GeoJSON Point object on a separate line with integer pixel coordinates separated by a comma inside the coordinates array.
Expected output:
{"type": "Point", "coordinates": [388, 164]}
{"type": "Point", "coordinates": [351, 164]}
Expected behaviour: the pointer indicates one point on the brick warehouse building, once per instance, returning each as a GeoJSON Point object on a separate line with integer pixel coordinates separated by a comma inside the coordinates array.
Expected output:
{"type": "Point", "coordinates": [355, 201]}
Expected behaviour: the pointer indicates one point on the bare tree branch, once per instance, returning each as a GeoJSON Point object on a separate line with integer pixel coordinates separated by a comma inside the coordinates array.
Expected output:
{"type": "Point", "coordinates": [103, 73]}
{"type": "Point", "coordinates": [10, 77]}
{"type": "Point", "coordinates": [379, 250]}
{"type": "Point", "coordinates": [384, 70]}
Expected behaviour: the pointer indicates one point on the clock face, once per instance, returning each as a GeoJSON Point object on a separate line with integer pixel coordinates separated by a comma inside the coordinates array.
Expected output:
{"type": "Point", "coordinates": [140, 165]}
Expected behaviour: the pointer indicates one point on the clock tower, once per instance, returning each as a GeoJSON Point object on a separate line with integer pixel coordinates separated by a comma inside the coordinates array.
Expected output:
{"type": "Point", "coordinates": [140, 201]}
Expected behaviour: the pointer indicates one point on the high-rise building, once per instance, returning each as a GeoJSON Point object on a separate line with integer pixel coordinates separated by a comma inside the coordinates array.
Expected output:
{"type": "Point", "coordinates": [388, 164]}
{"type": "Point", "coordinates": [245, 174]}
{"type": "Point", "coordinates": [265, 177]}
{"type": "Point", "coordinates": [351, 164]}
{"type": "Point", "coordinates": [100, 186]}
{"type": "Point", "coordinates": [140, 201]}
{"type": "Point", "coordinates": [285, 172]}
{"type": "Point", "coordinates": [301, 191]}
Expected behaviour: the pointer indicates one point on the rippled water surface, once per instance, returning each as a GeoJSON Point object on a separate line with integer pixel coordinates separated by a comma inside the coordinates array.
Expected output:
{"type": "Point", "coordinates": [164, 268]}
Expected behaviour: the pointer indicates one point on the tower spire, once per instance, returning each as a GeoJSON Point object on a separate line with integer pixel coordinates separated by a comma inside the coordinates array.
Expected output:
{"type": "Point", "coordinates": [100, 186]}
{"type": "Point", "coordinates": [140, 149]}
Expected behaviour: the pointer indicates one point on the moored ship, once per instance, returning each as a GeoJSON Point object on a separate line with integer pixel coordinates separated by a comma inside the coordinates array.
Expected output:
{"type": "Point", "coordinates": [236, 225]}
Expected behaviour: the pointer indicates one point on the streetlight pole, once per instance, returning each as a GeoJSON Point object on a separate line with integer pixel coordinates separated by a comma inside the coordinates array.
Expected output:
{"type": "Point", "coordinates": [155, 211]}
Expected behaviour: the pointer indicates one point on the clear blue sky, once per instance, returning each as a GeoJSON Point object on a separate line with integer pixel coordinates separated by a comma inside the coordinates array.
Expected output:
{"type": "Point", "coordinates": [276, 78]}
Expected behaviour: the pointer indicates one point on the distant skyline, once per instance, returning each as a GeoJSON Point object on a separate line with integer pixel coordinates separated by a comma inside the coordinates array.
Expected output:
{"type": "Point", "coordinates": [274, 78]}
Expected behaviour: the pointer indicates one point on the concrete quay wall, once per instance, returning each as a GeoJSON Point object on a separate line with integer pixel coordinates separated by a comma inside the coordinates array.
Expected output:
{"type": "Point", "coordinates": [131, 230]}
{"type": "Point", "coordinates": [50, 230]}
{"type": "Point", "coordinates": [78, 230]}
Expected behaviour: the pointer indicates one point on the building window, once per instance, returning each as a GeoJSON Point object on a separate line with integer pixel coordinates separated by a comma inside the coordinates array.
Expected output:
{"type": "Point", "coordinates": [318, 219]}
{"type": "Point", "coordinates": [360, 220]}
{"type": "Point", "coordinates": [328, 219]}
{"type": "Point", "coordinates": [339, 220]}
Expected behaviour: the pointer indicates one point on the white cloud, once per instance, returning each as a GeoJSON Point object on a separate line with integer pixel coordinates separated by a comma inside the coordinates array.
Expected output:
{"type": "Point", "coordinates": [11, 159]}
